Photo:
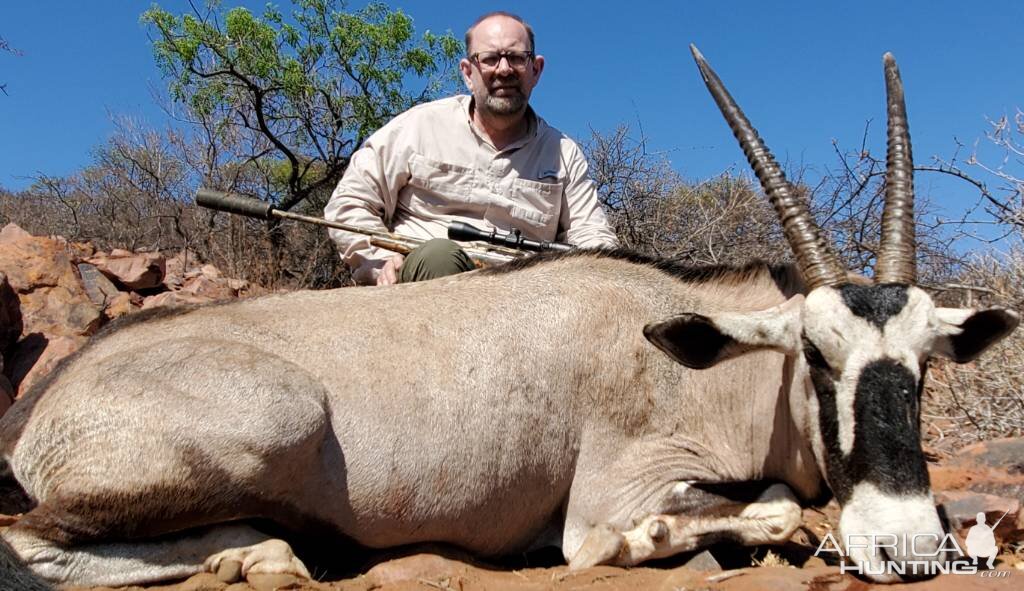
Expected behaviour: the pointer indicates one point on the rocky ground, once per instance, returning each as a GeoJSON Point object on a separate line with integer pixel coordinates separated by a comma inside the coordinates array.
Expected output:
{"type": "Point", "coordinates": [55, 294]}
{"type": "Point", "coordinates": [426, 572]}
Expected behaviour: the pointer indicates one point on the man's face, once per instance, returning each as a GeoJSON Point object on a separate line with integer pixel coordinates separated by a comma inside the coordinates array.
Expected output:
{"type": "Point", "coordinates": [500, 89]}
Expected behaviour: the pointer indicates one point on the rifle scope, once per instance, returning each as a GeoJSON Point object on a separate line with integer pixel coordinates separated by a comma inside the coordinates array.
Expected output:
{"type": "Point", "coordinates": [513, 239]}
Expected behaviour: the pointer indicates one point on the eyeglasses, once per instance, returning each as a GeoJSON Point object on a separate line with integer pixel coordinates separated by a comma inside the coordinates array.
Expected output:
{"type": "Point", "coordinates": [491, 59]}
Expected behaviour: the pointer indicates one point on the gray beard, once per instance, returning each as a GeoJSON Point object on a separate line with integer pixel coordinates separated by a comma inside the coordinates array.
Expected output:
{"type": "Point", "coordinates": [505, 105]}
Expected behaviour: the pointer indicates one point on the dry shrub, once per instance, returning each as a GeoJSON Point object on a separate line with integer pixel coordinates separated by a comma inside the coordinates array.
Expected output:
{"type": "Point", "coordinates": [983, 399]}
{"type": "Point", "coordinates": [655, 211]}
{"type": "Point", "coordinates": [138, 195]}
{"type": "Point", "coordinates": [299, 256]}
{"type": "Point", "coordinates": [725, 220]}
{"type": "Point", "coordinates": [286, 255]}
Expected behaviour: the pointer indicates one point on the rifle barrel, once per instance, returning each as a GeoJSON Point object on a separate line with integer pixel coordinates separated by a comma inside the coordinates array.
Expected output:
{"type": "Point", "coordinates": [481, 254]}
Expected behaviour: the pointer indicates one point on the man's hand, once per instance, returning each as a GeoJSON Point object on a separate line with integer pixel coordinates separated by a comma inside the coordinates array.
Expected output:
{"type": "Point", "coordinates": [389, 272]}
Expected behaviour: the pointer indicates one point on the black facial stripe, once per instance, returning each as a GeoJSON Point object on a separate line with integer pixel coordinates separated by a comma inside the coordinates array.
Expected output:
{"type": "Point", "coordinates": [828, 420]}
{"type": "Point", "coordinates": [874, 303]}
{"type": "Point", "coordinates": [887, 436]}
{"type": "Point", "coordinates": [887, 443]}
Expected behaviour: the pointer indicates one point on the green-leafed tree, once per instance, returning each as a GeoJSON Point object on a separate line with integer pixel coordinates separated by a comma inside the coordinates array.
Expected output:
{"type": "Point", "coordinates": [305, 89]}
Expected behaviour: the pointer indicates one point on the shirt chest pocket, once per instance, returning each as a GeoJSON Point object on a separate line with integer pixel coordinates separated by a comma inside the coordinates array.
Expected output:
{"type": "Point", "coordinates": [536, 203]}
{"type": "Point", "coordinates": [446, 181]}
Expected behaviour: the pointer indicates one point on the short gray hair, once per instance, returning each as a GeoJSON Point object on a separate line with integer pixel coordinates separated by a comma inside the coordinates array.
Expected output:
{"type": "Point", "coordinates": [515, 17]}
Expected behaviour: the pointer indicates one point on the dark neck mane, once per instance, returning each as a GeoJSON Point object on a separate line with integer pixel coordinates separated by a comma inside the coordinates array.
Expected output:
{"type": "Point", "coordinates": [783, 275]}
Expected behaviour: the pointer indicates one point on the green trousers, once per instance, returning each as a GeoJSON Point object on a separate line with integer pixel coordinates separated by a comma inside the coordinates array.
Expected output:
{"type": "Point", "coordinates": [435, 258]}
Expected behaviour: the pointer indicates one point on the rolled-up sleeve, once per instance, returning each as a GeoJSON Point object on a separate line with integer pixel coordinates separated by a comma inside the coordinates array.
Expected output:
{"type": "Point", "coordinates": [366, 197]}
{"type": "Point", "coordinates": [583, 222]}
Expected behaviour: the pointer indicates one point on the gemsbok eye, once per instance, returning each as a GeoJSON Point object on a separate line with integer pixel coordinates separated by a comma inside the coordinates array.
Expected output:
{"type": "Point", "coordinates": [813, 355]}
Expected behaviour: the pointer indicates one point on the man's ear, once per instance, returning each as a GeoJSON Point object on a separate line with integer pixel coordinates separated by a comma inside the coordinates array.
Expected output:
{"type": "Point", "coordinates": [538, 67]}
{"type": "Point", "coordinates": [466, 67]}
{"type": "Point", "coordinates": [701, 342]}
{"type": "Point", "coordinates": [966, 334]}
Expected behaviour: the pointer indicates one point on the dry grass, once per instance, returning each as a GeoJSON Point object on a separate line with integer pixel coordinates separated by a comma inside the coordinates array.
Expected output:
{"type": "Point", "coordinates": [983, 399]}
{"type": "Point", "coordinates": [771, 559]}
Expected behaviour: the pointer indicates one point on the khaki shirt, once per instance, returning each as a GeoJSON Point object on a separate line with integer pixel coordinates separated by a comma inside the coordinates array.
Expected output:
{"type": "Point", "coordinates": [429, 166]}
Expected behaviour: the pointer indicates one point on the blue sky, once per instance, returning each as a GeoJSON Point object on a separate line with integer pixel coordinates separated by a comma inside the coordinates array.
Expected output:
{"type": "Point", "coordinates": [806, 72]}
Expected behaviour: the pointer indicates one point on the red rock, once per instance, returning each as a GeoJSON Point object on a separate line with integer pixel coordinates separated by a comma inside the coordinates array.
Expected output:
{"type": "Point", "coordinates": [59, 311]}
{"type": "Point", "coordinates": [36, 356]}
{"type": "Point", "coordinates": [81, 250]}
{"type": "Point", "coordinates": [135, 271]}
{"type": "Point", "coordinates": [119, 305]}
{"type": "Point", "coordinates": [99, 289]}
{"type": "Point", "coordinates": [992, 467]}
{"type": "Point", "coordinates": [210, 271]}
{"type": "Point", "coordinates": [1006, 453]}
{"type": "Point", "coordinates": [176, 268]}
{"type": "Point", "coordinates": [704, 561]}
{"type": "Point", "coordinates": [962, 508]}
{"type": "Point", "coordinates": [32, 262]}
{"type": "Point", "coordinates": [414, 568]}
{"type": "Point", "coordinates": [781, 578]}
{"type": "Point", "coordinates": [174, 298]}
{"type": "Point", "coordinates": [12, 233]}
{"type": "Point", "coordinates": [10, 314]}
{"type": "Point", "coordinates": [209, 287]}
{"type": "Point", "coordinates": [51, 297]}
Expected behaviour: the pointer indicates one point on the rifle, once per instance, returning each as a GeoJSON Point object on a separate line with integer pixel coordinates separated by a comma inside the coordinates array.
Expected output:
{"type": "Point", "coordinates": [998, 521]}
{"type": "Point", "coordinates": [486, 248]}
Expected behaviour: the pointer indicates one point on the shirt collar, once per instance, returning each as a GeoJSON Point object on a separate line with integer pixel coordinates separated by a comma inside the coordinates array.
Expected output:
{"type": "Point", "coordinates": [533, 123]}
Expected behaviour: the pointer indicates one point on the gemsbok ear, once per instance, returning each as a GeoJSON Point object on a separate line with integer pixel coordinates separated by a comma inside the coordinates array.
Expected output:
{"type": "Point", "coordinates": [966, 334]}
{"type": "Point", "coordinates": [700, 342]}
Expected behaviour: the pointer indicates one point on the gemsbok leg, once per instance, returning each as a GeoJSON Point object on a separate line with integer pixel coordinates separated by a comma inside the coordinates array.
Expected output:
{"type": "Point", "coordinates": [770, 519]}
